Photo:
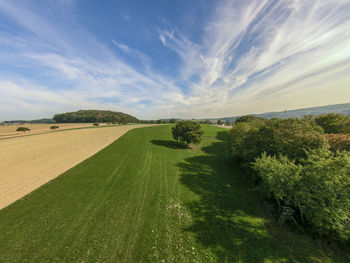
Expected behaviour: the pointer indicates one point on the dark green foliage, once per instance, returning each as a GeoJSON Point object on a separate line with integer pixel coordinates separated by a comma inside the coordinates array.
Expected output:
{"type": "Point", "coordinates": [331, 123]}
{"type": "Point", "coordinates": [347, 125]}
{"type": "Point", "coordinates": [237, 137]}
{"type": "Point", "coordinates": [23, 129]}
{"type": "Point", "coordinates": [290, 137]}
{"type": "Point", "coordinates": [220, 122]}
{"type": "Point", "coordinates": [249, 118]}
{"type": "Point", "coordinates": [96, 124]}
{"type": "Point", "coordinates": [54, 127]}
{"type": "Point", "coordinates": [294, 166]}
{"type": "Point", "coordinates": [160, 121]}
{"type": "Point", "coordinates": [319, 187]}
{"type": "Point", "coordinates": [172, 121]}
{"type": "Point", "coordinates": [187, 132]}
{"type": "Point", "coordinates": [85, 116]}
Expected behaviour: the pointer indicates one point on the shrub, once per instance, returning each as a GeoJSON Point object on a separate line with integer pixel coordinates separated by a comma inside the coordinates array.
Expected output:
{"type": "Point", "coordinates": [187, 132]}
{"type": "Point", "coordinates": [54, 127]}
{"type": "Point", "coordinates": [23, 129]}
{"type": "Point", "coordinates": [289, 137]}
{"type": "Point", "coordinates": [338, 142]}
{"type": "Point", "coordinates": [331, 123]}
{"type": "Point", "coordinates": [96, 124]}
{"type": "Point", "coordinates": [236, 138]}
{"type": "Point", "coordinates": [318, 187]}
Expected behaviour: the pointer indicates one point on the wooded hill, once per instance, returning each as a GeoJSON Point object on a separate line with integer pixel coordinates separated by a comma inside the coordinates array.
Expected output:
{"type": "Point", "coordinates": [82, 116]}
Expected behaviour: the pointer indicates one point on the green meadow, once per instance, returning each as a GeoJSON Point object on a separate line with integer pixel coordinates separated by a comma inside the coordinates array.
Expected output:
{"type": "Point", "coordinates": [145, 199]}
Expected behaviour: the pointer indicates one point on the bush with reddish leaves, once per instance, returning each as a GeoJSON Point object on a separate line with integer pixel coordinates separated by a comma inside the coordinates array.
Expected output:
{"type": "Point", "coordinates": [338, 142]}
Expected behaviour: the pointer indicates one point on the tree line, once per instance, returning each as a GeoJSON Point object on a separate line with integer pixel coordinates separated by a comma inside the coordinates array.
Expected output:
{"type": "Point", "coordinates": [303, 164]}
{"type": "Point", "coordinates": [94, 116]}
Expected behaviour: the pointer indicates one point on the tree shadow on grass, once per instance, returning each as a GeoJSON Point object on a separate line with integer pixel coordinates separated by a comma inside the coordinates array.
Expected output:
{"type": "Point", "coordinates": [227, 217]}
{"type": "Point", "coordinates": [169, 144]}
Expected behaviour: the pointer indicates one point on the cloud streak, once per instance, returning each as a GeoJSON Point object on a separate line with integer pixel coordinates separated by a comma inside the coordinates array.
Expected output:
{"type": "Point", "coordinates": [251, 56]}
{"type": "Point", "coordinates": [253, 50]}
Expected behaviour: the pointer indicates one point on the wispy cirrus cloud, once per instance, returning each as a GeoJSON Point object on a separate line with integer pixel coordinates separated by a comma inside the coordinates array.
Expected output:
{"type": "Point", "coordinates": [251, 51]}
{"type": "Point", "coordinates": [248, 56]}
{"type": "Point", "coordinates": [91, 73]}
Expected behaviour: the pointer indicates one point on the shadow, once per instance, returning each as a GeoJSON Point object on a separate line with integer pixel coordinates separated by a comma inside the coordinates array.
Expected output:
{"type": "Point", "coordinates": [228, 217]}
{"type": "Point", "coordinates": [169, 144]}
{"type": "Point", "coordinates": [221, 135]}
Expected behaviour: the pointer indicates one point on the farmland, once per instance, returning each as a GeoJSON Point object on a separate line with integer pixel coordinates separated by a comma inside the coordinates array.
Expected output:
{"type": "Point", "coordinates": [28, 162]}
{"type": "Point", "coordinates": [145, 199]}
{"type": "Point", "coordinates": [7, 131]}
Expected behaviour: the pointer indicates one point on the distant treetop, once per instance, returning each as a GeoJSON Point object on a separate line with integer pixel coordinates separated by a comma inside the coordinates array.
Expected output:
{"type": "Point", "coordinates": [94, 116]}
{"type": "Point", "coordinates": [248, 118]}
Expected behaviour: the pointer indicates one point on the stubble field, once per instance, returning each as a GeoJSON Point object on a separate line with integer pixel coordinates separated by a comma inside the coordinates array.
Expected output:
{"type": "Point", "coordinates": [30, 161]}
{"type": "Point", "coordinates": [7, 131]}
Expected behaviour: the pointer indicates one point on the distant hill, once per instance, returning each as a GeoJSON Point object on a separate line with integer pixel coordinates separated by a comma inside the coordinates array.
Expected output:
{"type": "Point", "coordinates": [337, 108]}
{"type": "Point", "coordinates": [83, 116]}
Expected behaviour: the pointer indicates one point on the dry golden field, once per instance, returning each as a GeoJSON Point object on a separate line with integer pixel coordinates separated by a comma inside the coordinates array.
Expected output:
{"type": "Point", "coordinates": [30, 161]}
{"type": "Point", "coordinates": [10, 130]}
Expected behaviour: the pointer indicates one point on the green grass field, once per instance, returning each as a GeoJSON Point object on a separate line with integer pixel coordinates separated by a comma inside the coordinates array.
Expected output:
{"type": "Point", "coordinates": [144, 199]}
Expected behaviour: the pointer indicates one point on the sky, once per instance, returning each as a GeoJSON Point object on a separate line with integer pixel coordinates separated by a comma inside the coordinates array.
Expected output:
{"type": "Point", "coordinates": [163, 59]}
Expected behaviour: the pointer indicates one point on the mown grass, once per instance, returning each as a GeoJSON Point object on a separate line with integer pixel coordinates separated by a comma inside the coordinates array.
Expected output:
{"type": "Point", "coordinates": [145, 199]}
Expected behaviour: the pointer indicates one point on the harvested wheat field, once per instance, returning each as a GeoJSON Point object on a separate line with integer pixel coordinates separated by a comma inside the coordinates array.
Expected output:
{"type": "Point", "coordinates": [7, 131]}
{"type": "Point", "coordinates": [31, 161]}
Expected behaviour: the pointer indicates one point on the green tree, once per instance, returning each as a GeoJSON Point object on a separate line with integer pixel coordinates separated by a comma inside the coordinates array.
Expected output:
{"type": "Point", "coordinates": [318, 187]}
{"type": "Point", "coordinates": [54, 127]}
{"type": "Point", "coordinates": [23, 129]}
{"type": "Point", "coordinates": [347, 125]}
{"type": "Point", "coordinates": [220, 122]}
{"type": "Point", "coordinates": [96, 124]}
{"type": "Point", "coordinates": [172, 121]}
{"type": "Point", "coordinates": [248, 118]}
{"type": "Point", "coordinates": [187, 132]}
{"type": "Point", "coordinates": [290, 137]}
{"type": "Point", "coordinates": [331, 123]}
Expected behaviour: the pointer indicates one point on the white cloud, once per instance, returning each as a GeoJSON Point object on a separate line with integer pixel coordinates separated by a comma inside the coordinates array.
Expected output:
{"type": "Point", "coordinates": [253, 51]}
{"type": "Point", "coordinates": [253, 56]}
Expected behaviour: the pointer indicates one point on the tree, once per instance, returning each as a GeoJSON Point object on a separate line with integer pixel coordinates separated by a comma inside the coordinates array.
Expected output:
{"type": "Point", "coordinates": [318, 187]}
{"type": "Point", "coordinates": [220, 122]}
{"type": "Point", "coordinates": [290, 137]}
{"type": "Point", "coordinates": [172, 121]}
{"type": "Point", "coordinates": [331, 123]}
{"type": "Point", "coordinates": [187, 132]}
{"type": "Point", "coordinates": [96, 124]}
{"type": "Point", "coordinates": [248, 118]}
{"type": "Point", "coordinates": [23, 129]}
{"type": "Point", "coordinates": [338, 142]}
{"type": "Point", "coordinates": [54, 127]}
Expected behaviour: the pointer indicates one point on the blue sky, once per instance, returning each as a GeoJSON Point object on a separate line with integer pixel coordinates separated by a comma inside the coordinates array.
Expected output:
{"type": "Point", "coordinates": [159, 59]}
